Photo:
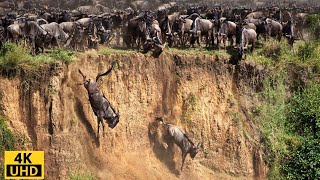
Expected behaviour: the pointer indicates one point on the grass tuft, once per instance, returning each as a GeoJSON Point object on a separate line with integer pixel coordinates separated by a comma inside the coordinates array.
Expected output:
{"type": "Point", "coordinates": [81, 175]}
{"type": "Point", "coordinates": [16, 57]}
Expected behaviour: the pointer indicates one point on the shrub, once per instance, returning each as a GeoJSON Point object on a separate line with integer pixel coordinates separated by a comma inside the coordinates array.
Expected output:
{"type": "Point", "coordinates": [304, 111]}
{"type": "Point", "coordinates": [313, 24]}
{"type": "Point", "coordinates": [304, 162]}
{"type": "Point", "coordinates": [63, 55]}
{"type": "Point", "coordinates": [310, 51]}
{"type": "Point", "coordinates": [7, 138]}
{"type": "Point", "coordinates": [14, 57]}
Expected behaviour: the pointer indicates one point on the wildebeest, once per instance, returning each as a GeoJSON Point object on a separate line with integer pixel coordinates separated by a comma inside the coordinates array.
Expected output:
{"type": "Point", "coordinates": [181, 139]}
{"type": "Point", "coordinates": [99, 103]}
{"type": "Point", "coordinates": [288, 31]}
{"type": "Point", "coordinates": [183, 29]}
{"type": "Point", "coordinates": [28, 29]}
{"type": "Point", "coordinates": [75, 32]}
{"type": "Point", "coordinates": [227, 30]}
{"type": "Point", "coordinates": [246, 37]}
{"type": "Point", "coordinates": [56, 32]}
{"type": "Point", "coordinates": [273, 28]}
{"type": "Point", "coordinates": [202, 27]}
{"type": "Point", "coordinates": [255, 15]}
{"type": "Point", "coordinates": [138, 30]}
{"type": "Point", "coordinates": [260, 26]}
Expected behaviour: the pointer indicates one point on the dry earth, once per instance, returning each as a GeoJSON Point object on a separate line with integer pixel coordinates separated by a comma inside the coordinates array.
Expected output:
{"type": "Point", "coordinates": [209, 98]}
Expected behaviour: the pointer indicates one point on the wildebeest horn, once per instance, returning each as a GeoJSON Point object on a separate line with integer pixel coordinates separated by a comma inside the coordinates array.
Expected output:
{"type": "Point", "coordinates": [84, 77]}
{"type": "Point", "coordinates": [104, 74]}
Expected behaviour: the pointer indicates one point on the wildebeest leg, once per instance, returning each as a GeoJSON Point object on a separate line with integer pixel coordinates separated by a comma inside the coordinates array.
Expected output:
{"type": "Point", "coordinates": [184, 155]}
{"type": "Point", "coordinates": [252, 47]}
{"type": "Point", "coordinates": [279, 37]}
{"type": "Point", "coordinates": [102, 127]}
{"type": "Point", "coordinates": [99, 121]}
{"type": "Point", "coordinates": [212, 40]}
{"type": "Point", "coordinates": [231, 41]}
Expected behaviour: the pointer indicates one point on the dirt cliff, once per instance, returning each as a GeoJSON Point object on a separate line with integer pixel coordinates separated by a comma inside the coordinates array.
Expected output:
{"type": "Point", "coordinates": [205, 95]}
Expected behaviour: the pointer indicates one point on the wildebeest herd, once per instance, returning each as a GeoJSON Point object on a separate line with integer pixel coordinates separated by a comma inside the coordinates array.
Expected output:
{"type": "Point", "coordinates": [147, 26]}
{"type": "Point", "coordinates": [150, 25]}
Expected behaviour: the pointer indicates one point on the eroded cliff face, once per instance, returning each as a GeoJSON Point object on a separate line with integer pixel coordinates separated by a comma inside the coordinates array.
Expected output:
{"type": "Point", "coordinates": [206, 96]}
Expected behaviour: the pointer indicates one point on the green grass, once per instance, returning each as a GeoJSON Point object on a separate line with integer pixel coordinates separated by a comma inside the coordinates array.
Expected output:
{"type": "Point", "coordinates": [81, 175]}
{"type": "Point", "coordinates": [272, 120]}
{"type": "Point", "coordinates": [107, 51]}
{"type": "Point", "coordinates": [7, 138]}
{"type": "Point", "coordinates": [199, 51]}
{"type": "Point", "coordinates": [286, 127]}
{"type": "Point", "coordinates": [279, 54]}
{"type": "Point", "coordinates": [13, 57]}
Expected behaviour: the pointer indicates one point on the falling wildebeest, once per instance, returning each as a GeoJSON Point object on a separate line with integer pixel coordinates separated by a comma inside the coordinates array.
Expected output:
{"type": "Point", "coordinates": [99, 103]}
{"type": "Point", "coordinates": [181, 139]}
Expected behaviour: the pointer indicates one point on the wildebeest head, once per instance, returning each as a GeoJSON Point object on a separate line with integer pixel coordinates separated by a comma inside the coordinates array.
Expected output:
{"type": "Point", "coordinates": [268, 26]}
{"type": "Point", "coordinates": [91, 85]}
{"type": "Point", "coordinates": [194, 150]}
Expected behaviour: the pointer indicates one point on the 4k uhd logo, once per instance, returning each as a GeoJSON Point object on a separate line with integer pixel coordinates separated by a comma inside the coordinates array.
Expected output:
{"type": "Point", "coordinates": [24, 165]}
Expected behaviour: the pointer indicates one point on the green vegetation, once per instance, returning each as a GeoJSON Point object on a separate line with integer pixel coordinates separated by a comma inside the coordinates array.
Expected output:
{"type": "Point", "coordinates": [313, 25]}
{"type": "Point", "coordinates": [13, 57]}
{"type": "Point", "coordinates": [107, 51]}
{"type": "Point", "coordinates": [304, 160]}
{"type": "Point", "coordinates": [279, 54]}
{"type": "Point", "coordinates": [81, 175]}
{"type": "Point", "coordinates": [198, 51]}
{"type": "Point", "coordinates": [7, 138]}
{"type": "Point", "coordinates": [290, 123]}
{"type": "Point", "coordinates": [271, 117]}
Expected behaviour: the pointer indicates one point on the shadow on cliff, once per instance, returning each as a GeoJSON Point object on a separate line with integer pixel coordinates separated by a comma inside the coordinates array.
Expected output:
{"type": "Point", "coordinates": [165, 155]}
{"type": "Point", "coordinates": [80, 113]}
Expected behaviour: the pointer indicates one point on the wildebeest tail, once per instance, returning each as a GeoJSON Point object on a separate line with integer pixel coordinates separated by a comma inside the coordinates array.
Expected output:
{"type": "Point", "coordinates": [104, 74]}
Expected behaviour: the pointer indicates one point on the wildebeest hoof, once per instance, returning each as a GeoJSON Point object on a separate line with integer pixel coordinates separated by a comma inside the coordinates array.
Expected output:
{"type": "Point", "coordinates": [111, 126]}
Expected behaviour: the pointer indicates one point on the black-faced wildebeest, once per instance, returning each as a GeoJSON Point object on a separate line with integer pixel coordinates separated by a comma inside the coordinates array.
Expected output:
{"type": "Point", "coordinates": [28, 29]}
{"type": "Point", "coordinates": [75, 32]}
{"type": "Point", "coordinates": [288, 32]}
{"type": "Point", "coordinates": [246, 37]}
{"type": "Point", "coordinates": [183, 29]}
{"type": "Point", "coordinates": [153, 40]}
{"type": "Point", "coordinates": [89, 35]}
{"type": "Point", "coordinates": [41, 21]}
{"type": "Point", "coordinates": [273, 28]}
{"type": "Point", "coordinates": [138, 30]}
{"type": "Point", "coordinates": [55, 31]}
{"type": "Point", "coordinates": [255, 15]}
{"type": "Point", "coordinates": [99, 103]}
{"type": "Point", "coordinates": [181, 139]}
{"type": "Point", "coordinates": [167, 29]}
{"type": "Point", "coordinates": [260, 26]}
{"type": "Point", "coordinates": [227, 30]}
{"type": "Point", "coordinates": [240, 27]}
{"type": "Point", "coordinates": [202, 27]}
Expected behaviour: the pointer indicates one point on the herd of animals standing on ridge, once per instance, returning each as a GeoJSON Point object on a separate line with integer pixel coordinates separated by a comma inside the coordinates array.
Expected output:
{"type": "Point", "coordinates": [148, 26]}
